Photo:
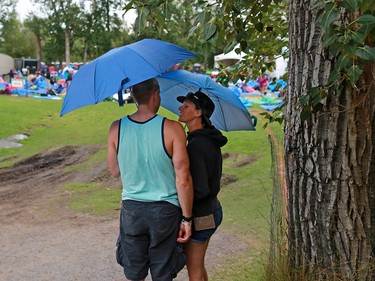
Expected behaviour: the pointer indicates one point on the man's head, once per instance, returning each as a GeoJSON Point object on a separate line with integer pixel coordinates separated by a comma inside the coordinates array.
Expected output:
{"type": "Point", "coordinates": [202, 102]}
{"type": "Point", "coordinates": [143, 91]}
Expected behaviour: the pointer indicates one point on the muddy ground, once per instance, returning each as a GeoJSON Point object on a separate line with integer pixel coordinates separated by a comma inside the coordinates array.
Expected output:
{"type": "Point", "coordinates": [42, 239]}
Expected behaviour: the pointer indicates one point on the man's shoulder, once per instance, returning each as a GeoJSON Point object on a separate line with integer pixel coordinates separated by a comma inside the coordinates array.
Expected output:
{"type": "Point", "coordinates": [173, 128]}
{"type": "Point", "coordinates": [170, 122]}
{"type": "Point", "coordinates": [173, 125]}
{"type": "Point", "coordinates": [115, 123]}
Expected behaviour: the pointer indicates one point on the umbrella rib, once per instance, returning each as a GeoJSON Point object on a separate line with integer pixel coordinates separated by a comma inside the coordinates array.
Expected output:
{"type": "Point", "coordinates": [222, 112]}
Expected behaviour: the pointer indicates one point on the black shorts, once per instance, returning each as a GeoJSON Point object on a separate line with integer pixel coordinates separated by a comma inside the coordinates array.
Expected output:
{"type": "Point", "coordinates": [147, 241]}
{"type": "Point", "coordinates": [203, 235]}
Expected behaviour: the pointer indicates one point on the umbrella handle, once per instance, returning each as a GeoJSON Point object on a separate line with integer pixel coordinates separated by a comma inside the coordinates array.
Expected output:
{"type": "Point", "coordinates": [120, 98]}
{"type": "Point", "coordinates": [255, 120]}
{"type": "Point", "coordinates": [119, 93]}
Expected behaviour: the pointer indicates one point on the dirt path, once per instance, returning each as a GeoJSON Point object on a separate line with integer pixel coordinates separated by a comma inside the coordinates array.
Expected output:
{"type": "Point", "coordinates": [41, 239]}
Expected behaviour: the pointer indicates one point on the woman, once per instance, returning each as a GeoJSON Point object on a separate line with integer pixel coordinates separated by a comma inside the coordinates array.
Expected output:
{"type": "Point", "coordinates": [204, 148]}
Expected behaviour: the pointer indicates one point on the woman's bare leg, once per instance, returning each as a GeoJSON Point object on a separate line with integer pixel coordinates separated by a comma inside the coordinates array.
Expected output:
{"type": "Point", "coordinates": [195, 261]}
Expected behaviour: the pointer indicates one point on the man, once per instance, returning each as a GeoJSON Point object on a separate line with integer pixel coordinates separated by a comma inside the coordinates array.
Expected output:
{"type": "Point", "coordinates": [149, 153]}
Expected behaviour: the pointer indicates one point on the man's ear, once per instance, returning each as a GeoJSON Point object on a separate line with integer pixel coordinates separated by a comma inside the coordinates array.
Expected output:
{"type": "Point", "coordinates": [155, 94]}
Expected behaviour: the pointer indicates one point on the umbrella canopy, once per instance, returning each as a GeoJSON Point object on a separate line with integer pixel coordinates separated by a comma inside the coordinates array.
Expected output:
{"type": "Point", "coordinates": [121, 68]}
{"type": "Point", "coordinates": [230, 114]}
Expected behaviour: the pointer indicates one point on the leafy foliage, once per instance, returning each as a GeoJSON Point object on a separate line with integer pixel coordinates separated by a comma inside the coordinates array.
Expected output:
{"type": "Point", "coordinates": [349, 35]}
{"type": "Point", "coordinates": [93, 29]}
{"type": "Point", "coordinates": [16, 41]}
{"type": "Point", "coordinates": [258, 28]}
{"type": "Point", "coordinates": [171, 21]}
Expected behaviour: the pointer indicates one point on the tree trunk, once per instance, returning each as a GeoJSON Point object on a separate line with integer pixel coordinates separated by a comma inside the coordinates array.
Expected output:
{"type": "Point", "coordinates": [38, 47]}
{"type": "Point", "coordinates": [329, 161]}
{"type": "Point", "coordinates": [85, 50]}
{"type": "Point", "coordinates": [67, 46]}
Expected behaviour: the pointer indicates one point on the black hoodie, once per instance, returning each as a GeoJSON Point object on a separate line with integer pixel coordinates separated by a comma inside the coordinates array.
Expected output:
{"type": "Point", "coordinates": [204, 148]}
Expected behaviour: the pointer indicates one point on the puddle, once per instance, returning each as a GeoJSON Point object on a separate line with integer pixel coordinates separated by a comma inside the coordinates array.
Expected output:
{"type": "Point", "coordinates": [11, 142]}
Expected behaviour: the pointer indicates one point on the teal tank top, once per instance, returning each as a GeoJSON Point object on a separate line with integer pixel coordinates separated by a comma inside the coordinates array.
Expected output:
{"type": "Point", "coordinates": [147, 172]}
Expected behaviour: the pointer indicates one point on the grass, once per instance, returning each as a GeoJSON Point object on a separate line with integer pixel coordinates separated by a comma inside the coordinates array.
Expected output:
{"type": "Point", "coordinates": [97, 200]}
{"type": "Point", "coordinates": [246, 202]}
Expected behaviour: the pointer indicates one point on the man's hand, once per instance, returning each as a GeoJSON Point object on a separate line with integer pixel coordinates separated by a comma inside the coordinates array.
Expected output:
{"type": "Point", "coordinates": [185, 232]}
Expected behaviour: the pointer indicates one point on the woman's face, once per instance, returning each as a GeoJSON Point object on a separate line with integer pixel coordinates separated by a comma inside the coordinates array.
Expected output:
{"type": "Point", "coordinates": [188, 112]}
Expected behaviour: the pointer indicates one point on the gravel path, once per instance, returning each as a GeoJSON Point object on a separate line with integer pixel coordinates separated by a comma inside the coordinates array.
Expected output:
{"type": "Point", "coordinates": [42, 240]}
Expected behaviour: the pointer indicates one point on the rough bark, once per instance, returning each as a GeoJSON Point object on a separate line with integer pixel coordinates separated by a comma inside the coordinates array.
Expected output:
{"type": "Point", "coordinates": [329, 159]}
{"type": "Point", "coordinates": [67, 46]}
{"type": "Point", "coordinates": [38, 47]}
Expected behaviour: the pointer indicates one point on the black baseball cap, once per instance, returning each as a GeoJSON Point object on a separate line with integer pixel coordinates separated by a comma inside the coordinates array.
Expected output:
{"type": "Point", "coordinates": [202, 102]}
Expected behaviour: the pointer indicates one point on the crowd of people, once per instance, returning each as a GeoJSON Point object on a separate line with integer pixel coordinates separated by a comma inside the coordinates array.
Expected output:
{"type": "Point", "coordinates": [48, 80]}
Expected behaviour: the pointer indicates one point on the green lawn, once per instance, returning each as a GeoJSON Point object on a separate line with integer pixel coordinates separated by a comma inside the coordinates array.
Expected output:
{"type": "Point", "coordinates": [246, 202]}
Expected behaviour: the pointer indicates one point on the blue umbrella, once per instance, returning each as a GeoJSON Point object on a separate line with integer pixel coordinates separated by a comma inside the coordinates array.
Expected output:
{"type": "Point", "coordinates": [230, 114]}
{"type": "Point", "coordinates": [121, 68]}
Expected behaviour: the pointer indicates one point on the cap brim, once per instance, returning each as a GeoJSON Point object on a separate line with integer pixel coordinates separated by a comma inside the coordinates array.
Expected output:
{"type": "Point", "coordinates": [181, 99]}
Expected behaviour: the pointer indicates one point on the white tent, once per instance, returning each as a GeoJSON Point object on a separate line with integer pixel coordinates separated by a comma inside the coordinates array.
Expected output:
{"type": "Point", "coordinates": [280, 67]}
{"type": "Point", "coordinates": [232, 58]}
{"type": "Point", "coordinates": [228, 59]}
{"type": "Point", "coordinates": [6, 63]}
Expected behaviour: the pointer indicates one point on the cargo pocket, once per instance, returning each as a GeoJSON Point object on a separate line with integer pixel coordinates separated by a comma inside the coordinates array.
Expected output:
{"type": "Point", "coordinates": [119, 254]}
{"type": "Point", "coordinates": [179, 259]}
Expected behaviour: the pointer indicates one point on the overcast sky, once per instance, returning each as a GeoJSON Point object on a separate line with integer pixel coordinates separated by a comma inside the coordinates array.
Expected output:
{"type": "Point", "coordinates": [24, 7]}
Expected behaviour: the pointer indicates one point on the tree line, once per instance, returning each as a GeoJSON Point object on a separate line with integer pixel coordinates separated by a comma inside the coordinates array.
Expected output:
{"type": "Point", "coordinates": [73, 31]}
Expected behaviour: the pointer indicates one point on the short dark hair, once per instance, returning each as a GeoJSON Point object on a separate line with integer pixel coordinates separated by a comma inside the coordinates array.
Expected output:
{"type": "Point", "coordinates": [143, 90]}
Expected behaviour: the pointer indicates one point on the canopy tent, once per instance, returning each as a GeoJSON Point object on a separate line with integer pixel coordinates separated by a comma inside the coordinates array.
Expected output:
{"type": "Point", "coordinates": [6, 63]}
{"type": "Point", "coordinates": [232, 58]}
{"type": "Point", "coordinates": [228, 59]}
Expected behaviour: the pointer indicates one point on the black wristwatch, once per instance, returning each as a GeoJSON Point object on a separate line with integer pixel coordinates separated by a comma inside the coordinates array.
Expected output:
{"type": "Point", "coordinates": [189, 219]}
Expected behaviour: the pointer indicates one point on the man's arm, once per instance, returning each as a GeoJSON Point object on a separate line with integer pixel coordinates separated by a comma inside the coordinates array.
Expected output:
{"type": "Point", "coordinates": [112, 150]}
{"type": "Point", "coordinates": [184, 184]}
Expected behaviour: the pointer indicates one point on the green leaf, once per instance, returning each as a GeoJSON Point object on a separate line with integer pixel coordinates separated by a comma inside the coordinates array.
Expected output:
{"type": "Point", "coordinates": [354, 73]}
{"type": "Point", "coordinates": [350, 5]}
{"type": "Point", "coordinates": [141, 20]}
{"type": "Point", "coordinates": [243, 45]}
{"type": "Point", "coordinates": [236, 10]}
{"type": "Point", "coordinates": [192, 31]}
{"type": "Point", "coordinates": [154, 4]}
{"type": "Point", "coordinates": [200, 18]}
{"type": "Point", "coordinates": [348, 48]}
{"type": "Point", "coordinates": [229, 37]}
{"type": "Point", "coordinates": [342, 62]}
{"type": "Point", "coordinates": [333, 76]}
{"type": "Point", "coordinates": [304, 100]}
{"type": "Point", "coordinates": [209, 31]}
{"type": "Point", "coordinates": [230, 46]}
{"type": "Point", "coordinates": [366, 53]}
{"type": "Point", "coordinates": [238, 22]}
{"type": "Point", "coordinates": [367, 5]}
{"type": "Point", "coordinates": [359, 36]}
{"type": "Point", "coordinates": [316, 100]}
{"type": "Point", "coordinates": [319, 5]}
{"type": "Point", "coordinates": [259, 26]}
{"type": "Point", "coordinates": [314, 95]}
{"type": "Point", "coordinates": [366, 19]}
{"type": "Point", "coordinates": [305, 114]}
{"type": "Point", "coordinates": [329, 16]}
{"type": "Point", "coordinates": [129, 6]}
{"type": "Point", "coordinates": [160, 18]}
{"type": "Point", "coordinates": [329, 41]}
{"type": "Point", "coordinates": [318, 107]}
